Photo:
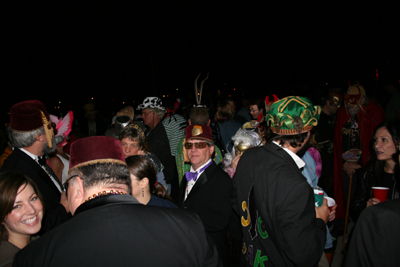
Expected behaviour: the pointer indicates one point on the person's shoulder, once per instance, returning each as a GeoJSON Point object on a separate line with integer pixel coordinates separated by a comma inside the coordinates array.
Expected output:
{"type": "Point", "coordinates": [382, 213]}
{"type": "Point", "coordinates": [159, 202]}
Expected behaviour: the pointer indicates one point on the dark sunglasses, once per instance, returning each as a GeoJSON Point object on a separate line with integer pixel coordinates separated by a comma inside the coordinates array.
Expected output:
{"type": "Point", "coordinates": [66, 184]}
{"type": "Point", "coordinates": [198, 145]}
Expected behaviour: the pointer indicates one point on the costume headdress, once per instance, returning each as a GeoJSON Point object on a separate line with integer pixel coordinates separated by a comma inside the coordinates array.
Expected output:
{"type": "Point", "coordinates": [335, 97]}
{"type": "Point", "coordinates": [354, 93]}
{"type": "Point", "coordinates": [199, 92]}
{"type": "Point", "coordinates": [198, 132]}
{"type": "Point", "coordinates": [120, 121]}
{"type": "Point", "coordinates": [292, 115]}
{"type": "Point", "coordinates": [138, 126]}
{"type": "Point", "coordinates": [96, 149]}
{"type": "Point", "coordinates": [152, 102]}
{"type": "Point", "coordinates": [62, 127]}
{"type": "Point", "coordinates": [31, 115]}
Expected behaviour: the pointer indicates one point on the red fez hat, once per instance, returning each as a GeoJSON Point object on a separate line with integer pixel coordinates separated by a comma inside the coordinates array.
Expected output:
{"type": "Point", "coordinates": [28, 116]}
{"type": "Point", "coordinates": [198, 132]}
{"type": "Point", "coordinates": [96, 149]}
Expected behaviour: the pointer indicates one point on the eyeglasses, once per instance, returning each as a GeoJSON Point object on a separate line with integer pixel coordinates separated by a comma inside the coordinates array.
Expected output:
{"type": "Point", "coordinates": [66, 184]}
{"type": "Point", "coordinates": [253, 110]}
{"type": "Point", "coordinates": [145, 113]}
{"type": "Point", "coordinates": [198, 145]}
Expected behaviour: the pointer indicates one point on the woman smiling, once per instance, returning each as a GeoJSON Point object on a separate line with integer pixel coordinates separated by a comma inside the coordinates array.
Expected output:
{"type": "Point", "coordinates": [21, 212]}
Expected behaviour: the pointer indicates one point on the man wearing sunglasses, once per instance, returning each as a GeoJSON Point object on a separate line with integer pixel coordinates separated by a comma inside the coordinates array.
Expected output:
{"type": "Point", "coordinates": [205, 189]}
{"type": "Point", "coordinates": [109, 226]}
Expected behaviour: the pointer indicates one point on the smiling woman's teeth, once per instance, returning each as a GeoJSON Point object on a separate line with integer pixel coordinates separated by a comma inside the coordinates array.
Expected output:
{"type": "Point", "coordinates": [29, 220]}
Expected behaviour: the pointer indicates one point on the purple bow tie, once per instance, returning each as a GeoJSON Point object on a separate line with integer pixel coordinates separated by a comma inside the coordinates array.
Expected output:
{"type": "Point", "coordinates": [193, 175]}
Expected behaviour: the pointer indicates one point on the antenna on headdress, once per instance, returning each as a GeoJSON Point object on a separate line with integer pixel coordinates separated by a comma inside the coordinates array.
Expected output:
{"type": "Point", "coordinates": [268, 102]}
{"type": "Point", "coordinates": [198, 93]}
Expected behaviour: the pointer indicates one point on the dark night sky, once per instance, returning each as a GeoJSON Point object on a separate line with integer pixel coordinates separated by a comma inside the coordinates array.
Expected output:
{"type": "Point", "coordinates": [124, 53]}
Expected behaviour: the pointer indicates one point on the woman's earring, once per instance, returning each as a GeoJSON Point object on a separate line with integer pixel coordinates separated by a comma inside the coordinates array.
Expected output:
{"type": "Point", "coordinates": [142, 193]}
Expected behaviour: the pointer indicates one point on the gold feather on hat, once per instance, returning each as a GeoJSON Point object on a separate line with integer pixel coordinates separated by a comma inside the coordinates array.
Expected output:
{"type": "Point", "coordinates": [48, 129]}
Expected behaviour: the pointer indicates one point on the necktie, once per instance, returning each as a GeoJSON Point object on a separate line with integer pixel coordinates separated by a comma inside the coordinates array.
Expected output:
{"type": "Point", "coordinates": [193, 175]}
{"type": "Point", "coordinates": [43, 163]}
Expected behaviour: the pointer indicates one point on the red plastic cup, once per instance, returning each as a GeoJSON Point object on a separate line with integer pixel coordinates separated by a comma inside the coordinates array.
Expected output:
{"type": "Point", "coordinates": [380, 193]}
{"type": "Point", "coordinates": [331, 202]}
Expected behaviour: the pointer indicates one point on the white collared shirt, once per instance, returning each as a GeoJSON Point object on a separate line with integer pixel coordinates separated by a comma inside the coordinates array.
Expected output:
{"type": "Point", "coordinates": [299, 162]}
{"type": "Point", "coordinates": [36, 159]}
{"type": "Point", "coordinates": [191, 183]}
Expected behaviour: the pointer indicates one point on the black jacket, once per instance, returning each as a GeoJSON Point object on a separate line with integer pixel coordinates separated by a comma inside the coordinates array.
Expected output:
{"type": "Point", "coordinates": [277, 210]}
{"type": "Point", "coordinates": [210, 199]}
{"type": "Point", "coordinates": [115, 230]}
{"type": "Point", "coordinates": [364, 181]}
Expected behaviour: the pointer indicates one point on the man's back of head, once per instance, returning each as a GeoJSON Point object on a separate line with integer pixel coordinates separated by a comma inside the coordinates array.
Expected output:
{"type": "Point", "coordinates": [199, 116]}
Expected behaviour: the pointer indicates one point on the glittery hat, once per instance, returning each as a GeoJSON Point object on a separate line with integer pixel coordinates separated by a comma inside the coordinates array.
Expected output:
{"type": "Point", "coordinates": [292, 115]}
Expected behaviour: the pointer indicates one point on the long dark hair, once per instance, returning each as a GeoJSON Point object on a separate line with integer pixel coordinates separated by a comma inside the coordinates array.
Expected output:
{"type": "Point", "coordinates": [142, 167]}
{"type": "Point", "coordinates": [10, 182]}
{"type": "Point", "coordinates": [393, 128]}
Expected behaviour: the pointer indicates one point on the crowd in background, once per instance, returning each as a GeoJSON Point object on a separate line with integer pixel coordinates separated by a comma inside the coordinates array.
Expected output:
{"type": "Point", "coordinates": [350, 148]}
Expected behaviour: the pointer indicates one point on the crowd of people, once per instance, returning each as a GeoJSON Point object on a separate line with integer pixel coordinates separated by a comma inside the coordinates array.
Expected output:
{"type": "Point", "coordinates": [221, 187]}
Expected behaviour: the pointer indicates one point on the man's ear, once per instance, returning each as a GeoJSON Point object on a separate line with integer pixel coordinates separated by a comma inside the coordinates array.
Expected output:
{"type": "Point", "coordinates": [209, 122]}
{"type": "Point", "coordinates": [144, 182]}
{"type": "Point", "coordinates": [190, 122]}
{"type": "Point", "coordinates": [80, 192]}
{"type": "Point", "coordinates": [40, 137]}
{"type": "Point", "coordinates": [212, 148]}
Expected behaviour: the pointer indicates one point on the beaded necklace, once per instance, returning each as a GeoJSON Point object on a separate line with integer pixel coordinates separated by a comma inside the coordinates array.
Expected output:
{"type": "Point", "coordinates": [105, 193]}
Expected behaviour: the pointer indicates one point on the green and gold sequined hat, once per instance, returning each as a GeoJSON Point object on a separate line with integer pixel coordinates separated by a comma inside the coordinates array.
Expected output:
{"type": "Point", "coordinates": [292, 115]}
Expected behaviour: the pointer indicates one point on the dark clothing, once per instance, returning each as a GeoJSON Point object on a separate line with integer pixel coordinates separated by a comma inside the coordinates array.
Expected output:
{"type": "Point", "coordinates": [159, 145]}
{"type": "Point", "coordinates": [55, 213]}
{"type": "Point", "coordinates": [159, 202]}
{"type": "Point", "coordinates": [277, 210]}
{"type": "Point", "coordinates": [363, 192]}
{"type": "Point", "coordinates": [324, 135]}
{"type": "Point", "coordinates": [368, 118]}
{"type": "Point", "coordinates": [115, 230]}
{"type": "Point", "coordinates": [210, 199]}
{"type": "Point", "coordinates": [7, 253]}
{"type": "Point", "coordinates": [376, 237]}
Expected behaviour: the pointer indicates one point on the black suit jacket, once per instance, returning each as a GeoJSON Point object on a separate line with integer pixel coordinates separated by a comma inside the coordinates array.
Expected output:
{"type": "Point", "coordinates": [210, 199]}
{"type": "Point", "coordinates": [55, 213]}
{"type": "Point", "coordinates": [115, 230]}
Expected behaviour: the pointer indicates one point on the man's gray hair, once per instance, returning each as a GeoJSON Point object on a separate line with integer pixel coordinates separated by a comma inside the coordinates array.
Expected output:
{"type": "Point", "coordinates": [24, 139]}
{"type": "Point", "coordinates": [159, 112]}
{"type": "Point", "coordinates": [104, 175]}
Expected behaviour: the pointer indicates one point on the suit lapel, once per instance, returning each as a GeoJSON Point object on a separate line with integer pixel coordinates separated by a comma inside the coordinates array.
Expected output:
{"type": "Point", "coordinates": [204, 177]}
{"type": "Point", "coordinates": [182, 189]}
{"type": "Point", "coordinates": [43, 174]}
{"type": "Point", "coordinates": [280, 152]}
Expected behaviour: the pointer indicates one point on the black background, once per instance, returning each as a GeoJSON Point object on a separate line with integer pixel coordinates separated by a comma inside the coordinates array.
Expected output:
{"type": "Point", "coordinates": [119, 54]}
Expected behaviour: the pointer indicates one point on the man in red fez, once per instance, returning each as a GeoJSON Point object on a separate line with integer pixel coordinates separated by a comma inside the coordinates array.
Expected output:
{"type": "Point", "coordinates": [110, 227]}
{"type": "Point", "coordinates": [32, 137]}
{"type": "Point", "coordinates": [205, 189]}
